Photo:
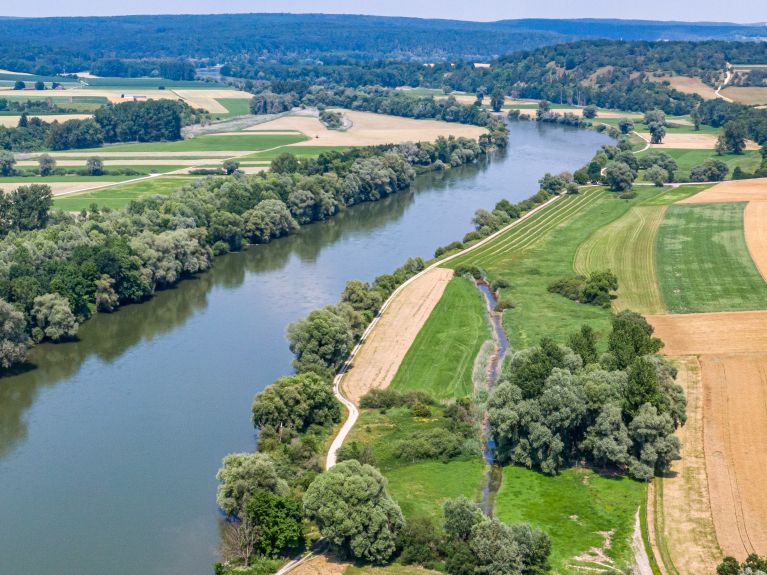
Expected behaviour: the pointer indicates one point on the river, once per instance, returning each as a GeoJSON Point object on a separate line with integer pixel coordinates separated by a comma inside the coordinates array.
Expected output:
{"type": "Point", "coordinates": [109, 446]}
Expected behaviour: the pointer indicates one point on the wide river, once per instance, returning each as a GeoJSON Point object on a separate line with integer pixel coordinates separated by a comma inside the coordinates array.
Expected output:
{"type": "Point", "coordinates": [110, 445]}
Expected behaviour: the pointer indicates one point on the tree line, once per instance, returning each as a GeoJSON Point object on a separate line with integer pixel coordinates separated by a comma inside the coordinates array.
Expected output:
{"type": "Point", "coordinates": [150, 121]}
{"type": "Point", "coordinates": [104, 259]}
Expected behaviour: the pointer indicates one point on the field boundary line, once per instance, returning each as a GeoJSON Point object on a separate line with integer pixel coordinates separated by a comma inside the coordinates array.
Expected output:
{"type": "Point", "coordinates": [351, 419]}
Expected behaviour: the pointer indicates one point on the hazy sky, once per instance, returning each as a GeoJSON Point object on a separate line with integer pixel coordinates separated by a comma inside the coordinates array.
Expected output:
{"type": "Point", "coordinates": [698, 10]}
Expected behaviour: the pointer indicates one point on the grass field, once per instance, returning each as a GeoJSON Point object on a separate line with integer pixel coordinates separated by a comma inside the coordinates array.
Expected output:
{"type": "Point", "coordinates": [441, 359]}
{"type": "Point", "coordinates": [117, 197]}
{"type": "Point", "coordinates": [235, 107]}
{"type": "Point", "coordinates": [298, 151]}
{"type": "Point", "coordinates": [703, 261]}
{"type": "Point", "coordinates": [627, 247]}
{"type": "Point", "coordinates": [687, 159]}
{"type": "Point", "coordinates": [678, 125]}
{"type": "Point", "coordinates": [419, 488]}
{"type": "Point", "coordinates": [41, 180]}
{"type": "Point", "coordinates": [541, 250]}
{"type": "Point", "coordinates": [243, 142]}
{"type": "Point", "coordinates": [573, 507]}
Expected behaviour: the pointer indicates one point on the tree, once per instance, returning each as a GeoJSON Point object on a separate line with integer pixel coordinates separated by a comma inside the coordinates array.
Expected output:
{"type": "Point", "coordinates": [14, 341]}
{"type": "Point", "coordinates": [733, 138]}
{"type": "Point", "coordinates": [107, 299]}
{"type": "Point", "coordinates": [7, 161]}
{"type": "Point", "coordinates": [497, 100]}
{"type": "Point", "coordinates": [656, 175]}
{"type": "Point", "coordinates": [607, 441]}
{"type": "Point", "coordinates": [630, 338]}
{"type": "Point", "coordinates": [295, 402]}
{"type": "Point", "coordinates": [241, 475]}
{"type": "Point", "coordinates": [94, 166]}
{"type": "Point", "coordinates": [27, 208]}
{"type": "Point", "coordinates": [625, 125]}
{"type": "Point", "coordinates": [590, 111]}
{"type": "Point", "coordinates": [40, 85]}
{"type": "Point", "coordinates": [231, 166]}
{"type": "Point", "coordinates": [654, 444]}
{"type": "Point", "coordinates": [321, 342]}
{"type": "Point", "coordinates": [19, 85]}
{"type": "Point", "coordinates": [419, 542]}
{"type": "Point", "coordinates": [710, 171]}
{"type": "Point", "coordinates": [655, 117]}
{"type": "Point", "coordinates": [642, 386]}
{"type": "Point", "coordinates": [461, 515]}
{"type": "Point", "coordinates": [285, 164]}
{"type": "Point", "coordinates": [584, 343]}
{"type": "Point", "coordinates": [23, 120]}
{"type": "Point", "coordinates": [352, 509]}
{"type": "Point", "coordinates": [47, 165]}
{"type": "Point", "coordinates": [277, 520]}
{"type": "Point", "coordinates": [53, 317]}
{"type": "Point", "coordinates": [619, 177]}
{"type": "Point", "coordinates": [657, 132]}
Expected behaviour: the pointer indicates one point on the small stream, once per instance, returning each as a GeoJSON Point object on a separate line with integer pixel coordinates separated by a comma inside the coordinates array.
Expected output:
{"type": "Point", "coordinates": [493, 479]}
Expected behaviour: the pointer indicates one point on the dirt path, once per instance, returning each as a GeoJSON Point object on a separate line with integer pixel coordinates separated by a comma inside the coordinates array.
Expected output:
{"type": "Point", "coordinates": [687, 526]}
{"type": "Point", "coordinates": [727, 78]}
{"type": "Point", "coordinates": [641, 560]}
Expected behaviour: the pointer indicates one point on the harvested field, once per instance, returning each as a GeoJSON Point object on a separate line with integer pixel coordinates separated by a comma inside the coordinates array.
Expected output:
{"type": "Point", "coordinates": [735, 415]}
{"type": "Point", "coordinates": [692, 141]}
{"type": "Point", "coordinates": [732, 191]}
{"type": "Point", "coordinates": [755, 224]}
{"type": "Point", "coordinates": [13, 121]}
{"type": "Point", "coordinates": [627, 247]}
{"type": "Point", "coordinates": [752, 96]}
{"type": "Point", "coordinates": [127, 163]}
{"type": "Point", "coordinates": [712, 333]}
{"type": "Point", "coordinates": [370, 129]}
{"type": "Point", "coordinates": [383, 351]}
{"type": "Point", "coordinates": [683, 511]}
{"type": "Point", "coordinates": [63, 188]}
{"type": "Point", "coordinates": [688, 85]}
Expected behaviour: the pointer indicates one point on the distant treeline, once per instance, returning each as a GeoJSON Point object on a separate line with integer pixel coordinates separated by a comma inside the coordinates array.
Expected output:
{"type": "Point", "coordinates": [611, 74]}
{"type": "Point", "coordinates": [150, 121]}
{"type": "Point", "coordinates": [105, 259]}
{"type": "Point", "coordinates": [169, 69]}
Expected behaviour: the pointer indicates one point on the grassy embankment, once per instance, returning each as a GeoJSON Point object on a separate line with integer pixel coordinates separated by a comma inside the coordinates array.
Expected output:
{"type": "Point", "coordinates": [439, 363]}
{"type": "Point", "coordinates": [441, 359]}
{"type": "Point", "coordinates": [703, 260]}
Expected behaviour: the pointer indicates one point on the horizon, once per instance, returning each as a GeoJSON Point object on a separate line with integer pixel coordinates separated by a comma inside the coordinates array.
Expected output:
{"type": "Point", "coordinates": [707, 12]}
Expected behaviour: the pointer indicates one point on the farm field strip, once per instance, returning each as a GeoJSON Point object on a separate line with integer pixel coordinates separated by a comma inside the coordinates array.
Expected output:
{"type": "Point", "coordinates": [703, 261]}
{"type": "Point", "coordinates": [755, 223]}
{"type": "Point", "coordinates": [754, 190]}
{"type": "Point", "coordinates": [627, 247]}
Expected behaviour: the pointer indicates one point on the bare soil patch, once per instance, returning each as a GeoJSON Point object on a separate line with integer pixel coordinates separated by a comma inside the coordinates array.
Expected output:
{"type": "Point", "coordinates": [321, 565]}
{"type": "Point", "coordinates": [370, 129]}
{"type": "Point", "coordinates": [692, 141]}
{"type": "Point", "coordinates": [755, 224]}
{"type": "Point", "coordinates": [13, 121]}
{"type": "Point", "coordinates": [382, 352]}
{"type": "Point", "coordinates": [688, 527]}
{"type": "Point", "coordinates": [689, 85]}
{"type": "Point", "coordinates": [712, 333]}
{"type": "Point", "coordinates": [732, 191]}
{"type": "Point", "coordinates": [746, 95]}
{"type": "Point", "coordinates": [735, 420]}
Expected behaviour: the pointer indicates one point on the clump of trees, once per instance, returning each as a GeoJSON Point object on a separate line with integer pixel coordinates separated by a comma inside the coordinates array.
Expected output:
{"type": "Point", "coordinates": [659, 160]}
{"type": "Point", "coordinates": [595, 289]}
{"type": "Point", "coordinates": [753, 565]}
{"type": "Point", "coordinates": [556, 405]}
{"type": "Point", "coordinates": [332, 120]}
{"type": "Point", "coordinates": [711, 170]}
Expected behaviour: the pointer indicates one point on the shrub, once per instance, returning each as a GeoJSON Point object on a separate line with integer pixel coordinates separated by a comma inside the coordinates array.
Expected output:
{"type": "Point", "coordinates": [420, 410]}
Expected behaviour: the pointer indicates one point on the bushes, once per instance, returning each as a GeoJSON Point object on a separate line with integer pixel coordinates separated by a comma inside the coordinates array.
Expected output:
{"type": "Point", "coordinates": [596, 289]}
{"type": "Point", "coordinates": [710, 170]}
{"type": "Point", "coordinates": [389, 398]}
{"type": "Point", "coordinates": [436, 443]}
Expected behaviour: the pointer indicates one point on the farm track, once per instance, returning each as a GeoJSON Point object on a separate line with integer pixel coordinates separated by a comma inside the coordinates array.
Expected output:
{"type": "Point", "coordinates": [627, 247]}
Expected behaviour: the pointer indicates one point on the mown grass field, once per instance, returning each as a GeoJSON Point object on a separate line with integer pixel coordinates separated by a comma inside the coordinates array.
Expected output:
{"type": "Point", "coordinates": [298, 151]}
{"type": "Point", "coordinates": [573, 507]}
{"type": "Point", "coordinates": [542, 249]}
{"type": "Point", "coordinates": [420, 488]}
{"type": "Point", "coordinates": [627, 247]}
{"type": "Point", "coordinates": [210, 143]}
{"type": "Point", "coordinates": [677, 125]}
{"type": "Point", "coordinates": [117, 197]}
{"type": "Point", "coordinates": [703, 260]}
{"type": "Point", "coordinates": [441, 359]}
{"type": "Point", "coordinates": [688, 159]}
{"type": "Point", "coordinates": [235, 107]}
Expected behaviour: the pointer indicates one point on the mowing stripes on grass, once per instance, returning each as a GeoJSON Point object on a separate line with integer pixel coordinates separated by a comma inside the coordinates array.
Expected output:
{"type": "Point", "coordinates": [441, 359]}
{"type": "Point", "coordinates": [573, 508]}
{"type": "Point", "coordinates": [210, 143]}
{"type": "Point", "coordinates": [627, 247]}
{"type": "Point", "coordinates": [117, 197]}
{"type": "Point", "coordinates": [703, 261]}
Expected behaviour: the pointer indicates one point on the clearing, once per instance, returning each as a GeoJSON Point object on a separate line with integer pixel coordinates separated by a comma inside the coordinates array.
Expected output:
{"type": "Point", "coordinates": [688, 85]}
{"type": "Point", "coordinates": [441, 358]}
{"type": "Point", "coordinates": [751, 96]}
{"type": "Point", "coordinates": [703, 262]}
{"type": "Point", "coordinates": [589, 517]}
{"type": "Point", "coordinates": [369, 129]}
{"type": "Point", "coordinates": [384, 349]}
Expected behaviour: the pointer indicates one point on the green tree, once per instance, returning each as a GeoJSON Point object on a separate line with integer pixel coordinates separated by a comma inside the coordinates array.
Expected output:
{"type": "Point", "coordinates": [231, 166]}
{"type": "Point", "coordinates": [642, 386]}
{"type": "Point", "coordinates": [461, 515]}
{"type": "Point", "coordinates": [657, 132]}
{"type": "Point", "coordinates": [733, 138]}
{"type": "Point", "coordinates": [321, 342]}
{"type": "Point", "coordinates": [278, 521]}
{"type": "Point", "coordinates": [607, 441]}
{"type": "Point", "coordinates": [7, 161]}
{"type": "Point", "coordinates": [94, 166]}
{"type": "Point", "coordinates": [352, 509]}
{"type": "Point", "coordinates": [241, 475]}
{"type": "Point", "coordinates": [584, 343]}
{"type": "Point", "coordinates": [53, 317]}
{"type": "Point", "coordinates": [14, 341]}
{"type": "Point", "coordinates": [47, 165]}
{"type": "Point", "coordinates": [107, 299]}
{"type": "Point", "coordinates": [630, 338]}
{"type": "Point", "coordinates": [19, 85]}
{"type": "Point", "coordinates": [590, 111]}
{"type": "Point", "coordinates": [619, 177]}
{"type": "Point", "coordinates": [419, 542]}
{"type": "Point", "coordinates": [656, 175]}
{"type": "Point", "coordinates": [285, 164]}
{"type": "Point", "coordinates": [626, 125]}
{"type": "Point", "coordinates": [40, 85]}
{"type": "Point", "coordinates": [497, 99]}
{"type": "Point", "coordinates": [27, 207]}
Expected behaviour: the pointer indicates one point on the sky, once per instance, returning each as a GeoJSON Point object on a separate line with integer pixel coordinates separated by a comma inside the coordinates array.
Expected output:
{"type": "Point", "coordinates": [482, 10]}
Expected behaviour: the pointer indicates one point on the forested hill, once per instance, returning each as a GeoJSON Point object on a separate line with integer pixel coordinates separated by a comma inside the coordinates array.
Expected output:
{"type": "Point", "coordinates": [51, 45]}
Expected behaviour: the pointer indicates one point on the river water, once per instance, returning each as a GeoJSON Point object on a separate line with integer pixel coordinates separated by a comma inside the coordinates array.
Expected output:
{"type": "Point", "coordinates": [110, 445]}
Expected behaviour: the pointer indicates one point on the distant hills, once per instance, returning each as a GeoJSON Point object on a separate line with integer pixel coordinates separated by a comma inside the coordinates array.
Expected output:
{"type": "Point", "coordinates": [48, 45]}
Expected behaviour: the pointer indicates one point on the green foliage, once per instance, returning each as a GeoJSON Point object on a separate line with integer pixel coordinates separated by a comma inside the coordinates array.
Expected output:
{"type": "Point", "coordinates": [461, 515]}
{"type": "Point", "coordinates": [352, 509]}
{"type": "Point", "coordinates": [278, 521]}
{"type": "Point", "coordinates": [356, 450]}
{"type": "Point", "coordinates": [753, 565]}
{"type": "Point", "coordinates": [710, 171]}
{"type": "Point", "coordinates": [419, 542]}
{"type": "Point", "coordinates": [596, 289]}
{"type": "Point", "coordinates": [14, 340]}
{"type": "Point", "coordinates": [25, 208]}
{"type": "Point", "coordinates": [241, 475]}
{"type": "Point", "coordinates": [53, 317]}
{"type": "Point", "coordinates": [619, 177]}
{"type": "Point", "coordinates": [584, 343]}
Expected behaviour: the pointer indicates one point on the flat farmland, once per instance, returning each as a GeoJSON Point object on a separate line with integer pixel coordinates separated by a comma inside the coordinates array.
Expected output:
{"type": "Point", "coordinates": [210, 143]}
{"type": "Point", "coordinates": [751, 96]}
{"type": "Point", "coordinates": [687, 159]}
{"type": "Point", "coordinates": [120, 196]}
{"type": "Point", "coordinates": [703, 261]}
